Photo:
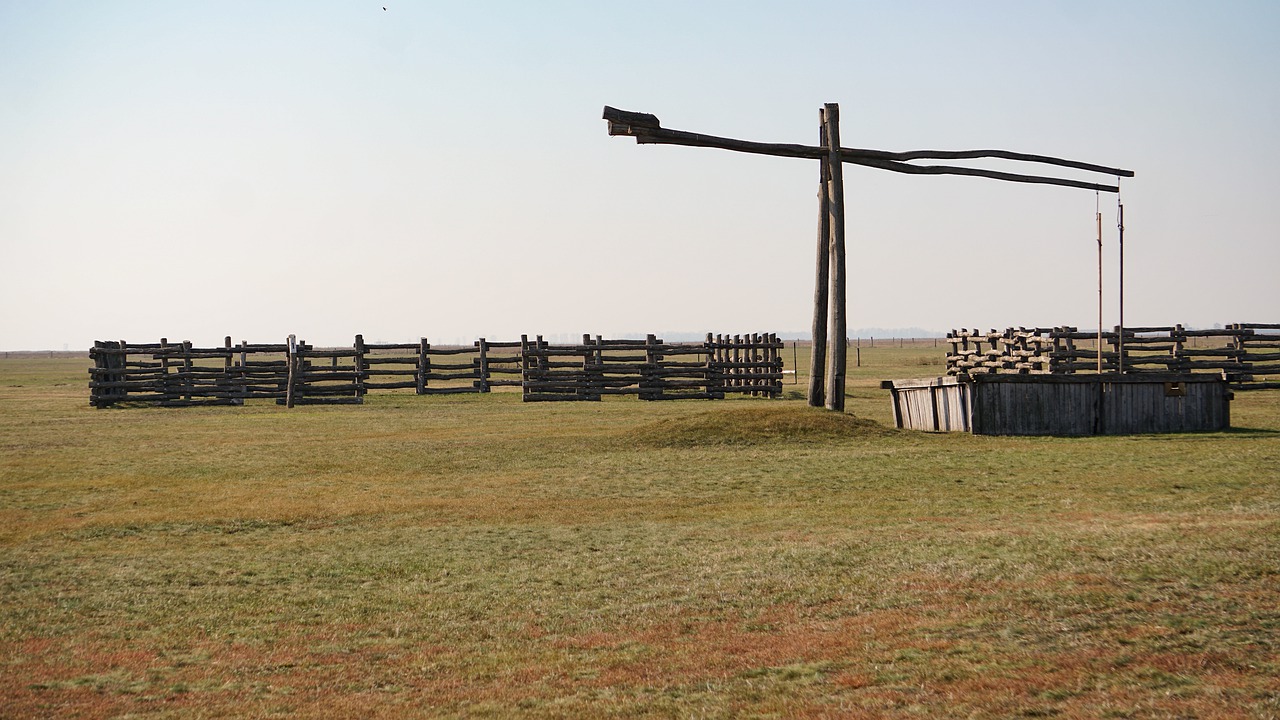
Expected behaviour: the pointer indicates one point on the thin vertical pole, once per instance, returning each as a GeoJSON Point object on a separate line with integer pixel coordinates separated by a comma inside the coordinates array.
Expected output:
{"type": "Point", "coordinates": [1099, 293]}
{"type": "Point", "coordinates": [821, 281]}
{"type": "Point", "coordinates": [1120, 227]}
{"type": "Point", "coordinates": [837, 339]}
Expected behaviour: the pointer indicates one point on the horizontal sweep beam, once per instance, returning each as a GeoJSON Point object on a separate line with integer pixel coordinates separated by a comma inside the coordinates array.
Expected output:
{"type": "Point", "coordinates": [645, 128]}
{"type": "Point", "coordinates": [908, 168]}
{"type": "Point", "coordinates": [1001, 154]}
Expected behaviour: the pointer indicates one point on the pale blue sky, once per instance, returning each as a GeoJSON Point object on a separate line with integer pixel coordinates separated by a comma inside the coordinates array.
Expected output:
{"type": "Point", "coordinates": [193, 170]}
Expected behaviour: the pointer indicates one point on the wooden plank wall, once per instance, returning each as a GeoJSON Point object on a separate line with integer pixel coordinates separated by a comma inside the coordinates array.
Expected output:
{"type": "Point", "coordinates": [1246, 352]}
{"type": "Point", "coordinates": [1099, 405]}
{"type": "Point", "coordinates": [178, 374]}
{"type": "Point", "coordinates": [1062, 404]}
{"type": "Point", "coordinates": [932, 405]}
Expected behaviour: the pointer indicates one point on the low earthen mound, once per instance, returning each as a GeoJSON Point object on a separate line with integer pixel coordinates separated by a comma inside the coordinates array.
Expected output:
{"type": "Point", "coordinates": [755, 426]}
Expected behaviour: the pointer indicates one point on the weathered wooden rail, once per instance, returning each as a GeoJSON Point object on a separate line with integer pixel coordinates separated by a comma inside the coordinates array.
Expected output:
{"type": "Point", "coordinates": [178, 374]}
{"type": "Point", "coordinates": [651, 369]}
{"type": "Point", "coordinates": [1245, 352]}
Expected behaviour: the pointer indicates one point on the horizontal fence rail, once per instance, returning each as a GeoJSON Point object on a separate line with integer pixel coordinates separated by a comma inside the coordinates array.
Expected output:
{"type": "Point", "coordinates": [296, 373]}
{"type": "Point", "coordinates": [1246, 353]}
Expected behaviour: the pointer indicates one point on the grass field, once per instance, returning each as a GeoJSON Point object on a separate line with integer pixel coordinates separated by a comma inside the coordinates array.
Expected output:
{"type": "Point", "coordinates": [477, 556]}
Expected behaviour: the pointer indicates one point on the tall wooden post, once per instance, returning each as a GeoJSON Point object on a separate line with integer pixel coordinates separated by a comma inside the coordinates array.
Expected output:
{"type": "Point", "coordinates": [837, 337]}
{"type": "Point", "coordinates": [821, 281]}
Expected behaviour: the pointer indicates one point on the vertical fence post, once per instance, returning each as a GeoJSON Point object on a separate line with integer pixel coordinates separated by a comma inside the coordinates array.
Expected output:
{"type": "Point", "coordinates": [757, 366]}
{"type": "Point", "coordinates": [291, 370]}
{"type": "Point", "coordinates": [120, 363]}
{"type": "Point", "coordinates": [483, 345]}
{"type": "Point", "coordinates": [165, 380]}
{"type": "Point", "coordinates": [1070, 330]}
{"type": "Point", "coordinates": [708, 384]}
{"type": "Point", "coordinates": [715, 366]}
{"type": "Point", "coordinates": [358, 360]}
{"type": "Point", "coordinates": [420, 377]}
{"type": "Point", "coordinates": [96, 375]}
{"type": "Point", "coordinates": [598, 358]}
{"type": "Point", "coordinates": [776, 347]}
{"type": "Point", "coordinates": [244, 371]}
{"type": "Point", "coordinates": [647, 374]}
{"type": "Point", "coordinates": [1178, 361]}
{"type": "Point", "coordinates": [524, 367]}
{"type": "Point", "coordinates": [588, 381]}
{"type": "Point", "coordinates": [188, 377]}
{"type": "Point", "coordinates": [590, 376]}
{"type": "Point", "coordinates": [303, 376]}
{"type": "Point", "coordinates": [229, 387]}
{"type": "Point", "coordinates": [725, 353]}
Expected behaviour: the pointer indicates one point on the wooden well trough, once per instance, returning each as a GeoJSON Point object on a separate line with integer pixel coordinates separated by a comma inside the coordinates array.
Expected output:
{"type": "Point", "coordinates": [1043, 404]}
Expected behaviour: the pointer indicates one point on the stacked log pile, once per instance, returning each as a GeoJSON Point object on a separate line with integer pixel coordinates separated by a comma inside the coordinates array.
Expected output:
{"type": "Point", "coordinates": [1246, 352]}
{"type": "Point", "coordinates": [1015, 350]}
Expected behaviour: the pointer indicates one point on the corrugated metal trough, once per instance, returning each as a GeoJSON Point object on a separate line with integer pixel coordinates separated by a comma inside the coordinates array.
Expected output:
{"type": "Point", "coordinates": [1042, 404]}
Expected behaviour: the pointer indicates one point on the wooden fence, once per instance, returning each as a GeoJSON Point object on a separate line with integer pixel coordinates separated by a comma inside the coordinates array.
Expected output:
{"type": "Point", "coordinates": [178, 374]}
{"type": "Point", "coordinates": [652, 369]}
{"type": "Point", "coordinates": [1245, 352]}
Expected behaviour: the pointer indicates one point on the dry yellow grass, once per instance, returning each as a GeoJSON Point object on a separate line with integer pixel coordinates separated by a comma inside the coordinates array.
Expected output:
{"type": "Point", "coordinates": [475, 556]}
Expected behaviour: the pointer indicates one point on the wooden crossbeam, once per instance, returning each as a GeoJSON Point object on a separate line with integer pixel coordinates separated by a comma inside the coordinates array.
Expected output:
{"type": "Point", "coordinates": [646, 129]}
